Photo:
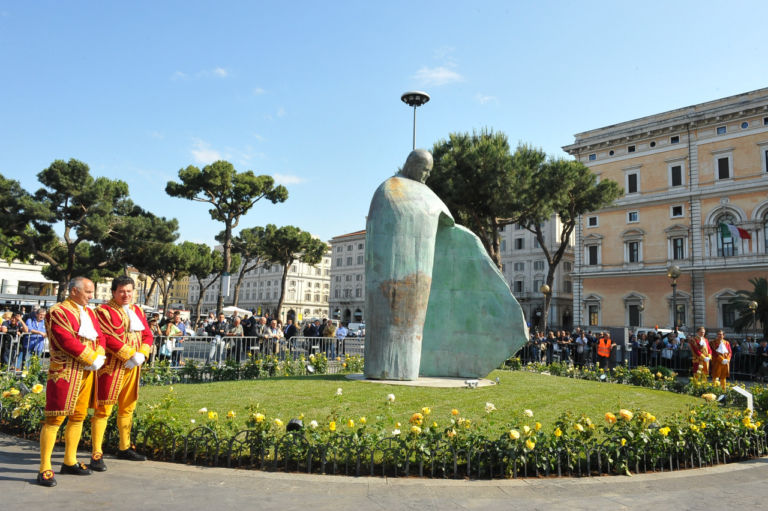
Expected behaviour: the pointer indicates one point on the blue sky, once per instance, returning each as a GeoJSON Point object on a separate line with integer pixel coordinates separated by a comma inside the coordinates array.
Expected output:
{"type": "Point", "coordinates": [308, 91]}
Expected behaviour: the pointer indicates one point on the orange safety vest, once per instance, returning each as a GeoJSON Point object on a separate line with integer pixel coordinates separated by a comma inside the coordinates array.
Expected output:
{"type": "Point", "coordinates": [604, 347]}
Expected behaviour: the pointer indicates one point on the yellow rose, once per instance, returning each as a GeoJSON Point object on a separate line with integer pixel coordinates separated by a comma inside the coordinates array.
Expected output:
{"type": "Point", "coordinates": [709, 397]}
{"type": "Point", "coordinates": [514, 434]}
{"type": "Point", "coordinates": [426, 410]}
{"type": "Point", "coordinates": [363, 420]}
{"type": "Point", "coordinates": [454, 411]}
{"type": "Point", "coordinates": [530, 444]}
{"type": "Point", "coordinates": [350, 423]}
{"type": "Point", "coordinates": [6, 393]}
{"type": "Point", "coordinates": [626, 414]}
{"type": "Point", "coordinates": [434, 424]}
{"type": "Point", "coordinates": [37, 388]}
{"type": "Point", "coordinates": [664, 431]}
{"type": "Point", "coordinates": [259, 417]}
{"type": "Point", "coordinates": [332, 425]}
{"type": "Point", "coordinates": [578, 427]}
{"type": "Point", "coordinates": [416, 419]}
{"type": "Point", "coordinates": [14, 392]}
{"type": "Point", "coordinates": [526, 429]}
{"type": "Point", "coordinates": [623, 442]}
{"type": "Point", "coordinates": [213, 416]}
{"type": "Point", "coordinates": [231, 414]}
{"type": "Point", "coordinates": [537, 426]}
{"type": "Point", "coordinates": [397, 424]}
{"type": "Point", "coordinates": [451, 433]}
{"type": "Point", "coordinates": [415, 429]}
{"type": "Point", "coordinates": [611, 418]}
{"type": "Point", "coordinates": [558, 432]}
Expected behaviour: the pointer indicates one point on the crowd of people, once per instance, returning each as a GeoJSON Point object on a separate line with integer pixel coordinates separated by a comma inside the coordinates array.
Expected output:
{"type": "Point", "coordinates": [674, 350]}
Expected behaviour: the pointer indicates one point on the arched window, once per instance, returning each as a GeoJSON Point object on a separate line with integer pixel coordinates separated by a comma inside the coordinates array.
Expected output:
{"type": "Point", "coordinates": [765, 231]}
{"type": "Point", "coordinates": [726, 247]}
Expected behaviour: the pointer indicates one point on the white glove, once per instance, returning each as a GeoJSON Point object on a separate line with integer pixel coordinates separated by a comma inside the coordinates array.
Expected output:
{"type": "Point", "coordinates": [707, 359]}
{"type": "Point", "coordinates": [97, 364]}
{"type": "Point", "coordinates": [135, 361]}
{"type": "Point", "coordinates": [725, 361]}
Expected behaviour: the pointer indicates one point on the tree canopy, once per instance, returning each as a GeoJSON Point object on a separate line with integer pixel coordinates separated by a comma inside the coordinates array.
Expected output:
{"type": "Point", "coordinates": [748, 320]}
{"type": "Point", "coordinates": [288, 244]}
{"type": "Point", "coordinates": [249, 245]}
{"type": "Point", "coordinates": [231, 195]}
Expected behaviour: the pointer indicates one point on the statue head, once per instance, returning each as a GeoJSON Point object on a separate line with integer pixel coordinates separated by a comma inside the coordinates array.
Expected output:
{"type": "Point", "coordinates": [418, 165]}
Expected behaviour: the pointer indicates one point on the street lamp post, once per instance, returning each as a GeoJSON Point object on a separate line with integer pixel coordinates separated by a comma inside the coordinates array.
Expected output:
{"type": "Point", "coordinates": [753, 307]}
{"type": "Point", "coordinates": [673, 272]}
{"type": "Point", "coordinates": [415, 99]}
{"type": "Point", "coordinates": [545, 289]}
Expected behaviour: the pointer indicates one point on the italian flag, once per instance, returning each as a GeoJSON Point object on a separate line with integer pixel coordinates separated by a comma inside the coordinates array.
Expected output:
{"type": "Point", "coordinates": [731, 231]}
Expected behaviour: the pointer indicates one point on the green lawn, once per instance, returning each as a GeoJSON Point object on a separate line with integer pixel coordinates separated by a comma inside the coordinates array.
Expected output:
{"type": "Point", "coordinates": [315, 397]}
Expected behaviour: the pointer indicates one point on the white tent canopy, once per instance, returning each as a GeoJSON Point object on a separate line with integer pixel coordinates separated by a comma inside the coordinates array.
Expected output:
{"type": "Point", "coordinates": [232, 309]}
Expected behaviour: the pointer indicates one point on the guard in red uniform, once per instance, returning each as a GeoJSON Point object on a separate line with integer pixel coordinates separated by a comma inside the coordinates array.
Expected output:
{"type": "Point", "coordinates": [129, 341]}
{"type": "Point", "coordinates": [77, 351]}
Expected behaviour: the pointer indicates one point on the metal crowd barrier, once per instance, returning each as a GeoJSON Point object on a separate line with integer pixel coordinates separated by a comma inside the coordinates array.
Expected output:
{"type": "Point", "coordinates": [15, 351]}
{"type": "Point", "coordinates": [216, 350]}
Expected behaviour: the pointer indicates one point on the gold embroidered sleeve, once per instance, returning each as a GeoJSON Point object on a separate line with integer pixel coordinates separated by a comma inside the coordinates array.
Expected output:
{"type": "Point", "coordinates": [125, 353]}
{"type": "Point", "coordinates": [87, 357]}
{"type": "Point", "coordinates": [144, 350]}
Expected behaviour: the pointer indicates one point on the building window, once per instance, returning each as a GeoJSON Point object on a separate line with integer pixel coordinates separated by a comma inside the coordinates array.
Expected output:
{"type": "Point", "coordinates": [592, 157]}
{"type": "Point", "coordinates": [593, 255]}
{"type": "Point", "coordinates": [674, 139]}
{"type": "Point", "coordinates": [519, 267]}
{"type": "Point", "coordinates": [744, 125]}
{"type": "Point", "coordinates": [348, 278]}
{"type": "Point", "coordinates": [358, 292]}
{"type": "Point", "coordinates": [611, 152]}
{"type": "Point", "coordinates": [359, 246]}
{"type": "Point", "coordinates": [729, 314]}
{"type": "Point", "coordinates": [680, 314]}
{"type": "Point", "coordinates": [338, 261]}
{"type": "Point", "coordinates": [337, 278]}
{"type": "Point", "coordinates": [567, 266]}
{"type": "Point", "coordinates": [678, 248]}
{"type": "Point", "coordinates": [676, 175]}
{"type": "Point", "coordinates": [721, 130]}
{"type": "Point", "coordinates": [723, 167]}
{"type": "Point", "coordinates": [676, 211]}
{"type": "Point", "coordinates": [358, 277]}
{"type": "Point", "coordinates": [591, 221]}
{"type": "Point", "coordinates": [339, 249]}
{"type": "Point", "coordinates": [765, 231]}
{"type": "Point", "coordinates": [538, 265]}
{"type": "Point", "coordinates": [633, 251]}
{"type": "Point", "coordinates": [349, 248]}
{"type": "Point", "coordinates": [503, 267]}
{"type": "Point", "coordinates": [632, 182]}
{"type": "Point", "coordinates": [765, 121]}
{"type": "Point", "coordinates": [519, 286]}
{"type": "Point", "coordinates": [631, 149]}
{"type": "Point", "coordinates": [349, 261]}
{"type": "Point", "coordinates": [537, 283]}
{"type": "Point", "coordinates": [568, 287]}
{"type": "Point", "coordinates": [336, 293]}
{"type": "Point", "coordinates": [593, 314]}
{"type": "Point", "coordinates": [726, 247]}
{"type": "Point", "coordinates": [503, 245]}
{"type": "Point", "coordinates": [632, 217]}
{"type": "Point", "coordinates": [359, 259]}
{"type": "Point", "coordinates": [519, 243]}
{"type": "Point", "coordinates": [764, 156]}
{"type": "Point", "coordinates": [653, 144]}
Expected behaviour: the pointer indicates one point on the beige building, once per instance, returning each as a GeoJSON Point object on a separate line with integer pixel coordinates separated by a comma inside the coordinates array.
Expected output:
{"type": "Point", "coordinates": [307, 291]}
{"type": "Point", "coordinates": [684, 172]}
{"type": "Point", "coordinates": [347, 300]}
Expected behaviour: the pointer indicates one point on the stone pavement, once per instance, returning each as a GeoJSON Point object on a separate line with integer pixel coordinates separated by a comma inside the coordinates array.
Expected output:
{"type": "Point", "coordinates": [167, 486]}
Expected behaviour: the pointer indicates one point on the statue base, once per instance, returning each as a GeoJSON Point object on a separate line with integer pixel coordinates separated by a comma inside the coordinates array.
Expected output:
{"type": "Point", "coordinates": [434, 382]}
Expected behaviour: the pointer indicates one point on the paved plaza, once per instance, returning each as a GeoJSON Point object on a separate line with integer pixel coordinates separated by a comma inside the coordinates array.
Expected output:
{"type": "Point", "coordinates": [168, 486]}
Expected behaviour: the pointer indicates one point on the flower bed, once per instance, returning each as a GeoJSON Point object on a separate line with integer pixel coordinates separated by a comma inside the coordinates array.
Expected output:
{"type": "Point", "coordinates": [452, 445]}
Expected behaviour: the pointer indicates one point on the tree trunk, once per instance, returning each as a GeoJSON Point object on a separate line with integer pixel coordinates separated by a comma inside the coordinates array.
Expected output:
{"type": "Point", "coordinates": [283, 280]}
{"type": "Point", "coordinates": [227, 261]}
{"type": "Point", "coordinates": [61, 293]}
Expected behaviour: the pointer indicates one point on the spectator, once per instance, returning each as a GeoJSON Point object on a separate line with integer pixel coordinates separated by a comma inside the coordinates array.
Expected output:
{"type": "Point", "coordinates": [12, 328]}
{"type": "Point", "coordinates": [762, 360]}
{"type": "Point", "coordinates": [275, 336]}
{"type": "Point", "coordinates": [341, 334]}
{"type": "Point", "coordinates": [174, 338]}
{"type": "Point", "coordinates": [34, 342]}
{"type": "Point", "coordinates": [236, 331]}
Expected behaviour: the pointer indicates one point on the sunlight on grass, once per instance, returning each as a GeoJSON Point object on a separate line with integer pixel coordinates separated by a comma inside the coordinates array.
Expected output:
{"type": "Point", "coordinates": [315, 397]}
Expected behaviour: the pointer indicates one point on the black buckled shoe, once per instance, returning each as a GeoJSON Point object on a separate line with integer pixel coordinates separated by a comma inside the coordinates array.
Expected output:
{"type": "Point", "coordinates": [78, 469]}
{"type": "Point", "coordinates": [97, 463]}
{"type": "Point", "coordinates": [45, 478]}
{"type": "Point", "coordinates": [130, 454]}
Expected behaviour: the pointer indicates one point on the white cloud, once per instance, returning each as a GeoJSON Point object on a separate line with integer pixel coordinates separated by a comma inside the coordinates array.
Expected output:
{"type": "Point", "coordinates": [203, 153]}
{"type": "Point", "coordinates": [157, 135]}
{"type": "Point", "coordinates": [281, 112]}
{"type": "Point", "coordinates": [220, 72]}
{"type": "Point", "coordinates": [484, 99]}
{"type": "Point", "coordinates": [288, 179]}
{"type": "Point", "coordinates": [437, 76]}
{"type": "Point", "coordinates": [258, 91]}
{"type": "Point", "coordinates": [179, 75]}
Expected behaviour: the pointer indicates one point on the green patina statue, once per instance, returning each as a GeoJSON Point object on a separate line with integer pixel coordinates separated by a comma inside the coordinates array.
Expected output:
{"type": "Point", "coordinates": [436, 304]}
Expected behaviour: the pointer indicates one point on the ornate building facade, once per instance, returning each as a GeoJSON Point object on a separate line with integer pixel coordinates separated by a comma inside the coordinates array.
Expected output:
{"type": "Point", "coordinates": [687, 175]}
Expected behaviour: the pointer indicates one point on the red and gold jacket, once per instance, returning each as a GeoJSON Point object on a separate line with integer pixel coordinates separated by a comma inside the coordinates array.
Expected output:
{"type": "Point", "coordinates": [121, 345]}
{"type": "Point", "coordinates": [70, 354]}
{"type": "Point", "coordinates": [700, 352]}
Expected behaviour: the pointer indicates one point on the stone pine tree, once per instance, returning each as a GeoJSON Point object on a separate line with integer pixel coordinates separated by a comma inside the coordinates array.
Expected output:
{"type": "Point", "coordinates": [88, 210]}
{"type": "Point", "coordinates": [288, 244]}
{"type": "Point", "coordinates": [167, 263]}
{"type": "Point", "coordinates": [248, 244]}
{"type": "Point", "coordinates": [748, 320]}
{"type": "Point", "coordinates": [474, 176]}
{"type": "Point", "coordinates": [208, 261]}
{"type": "Point", "coordinates": [565, 188]}
{"type": "Point", "coordinates": [231, 195]}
